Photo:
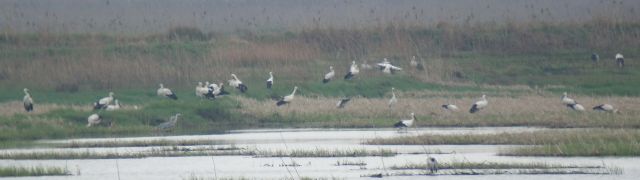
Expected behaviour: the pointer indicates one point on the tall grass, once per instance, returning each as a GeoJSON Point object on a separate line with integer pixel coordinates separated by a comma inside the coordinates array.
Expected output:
{"type": "Point", "coordinates": [14, 171]}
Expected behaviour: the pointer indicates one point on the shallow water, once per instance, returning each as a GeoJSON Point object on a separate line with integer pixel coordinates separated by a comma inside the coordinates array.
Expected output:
{"type": "Point", "coordinates": [288, 139]}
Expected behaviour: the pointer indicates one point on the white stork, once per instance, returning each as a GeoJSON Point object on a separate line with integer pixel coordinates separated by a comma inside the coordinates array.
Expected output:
{"type": "Point", "coordinates": [93, 120]}
{"type": "Point", "coordinates": [102, 103]}
{"type": "Point", "coordinates": [353, 71]}
{"type": "Point", "coordinates": [166, 92]}
{"type": "Point", "coordinates": [270, 80]}
{"type": "Point", "coordinates": [566, 100]}
{"type": "Point", "coordinates": [605, 108]}
{"type": "Point", "coordinates": [329, 75]}
{"type": "Point", "coordinates": [620, 60]}
{"type": "Point", "coordinates": [201, 90]}
{"type": "Point", "coordinates": [450, 107]}
{"type": "Point", "coordinates": [405, 123]}
{"type": "Point", "coordinates": [415, 64]}
{"type": "Point", "coordinates": [287, 99]}
{"type": "Point", "coordinates": [27, 101]}
{"type": "Point", "coordinates": [387, 67]}
{"type": "Point", "coordinates": [365, 65]}
{"type": "Point", "coordinates": [481, 104]}
{"type": "Point", "coordinates": [576, 107]}
{"type": "Point", "coordinates": [236, 83]}
{"type": "Point", "coordinates": [114, 106]}
{"type": "Point", "coordinates": [393, 99]}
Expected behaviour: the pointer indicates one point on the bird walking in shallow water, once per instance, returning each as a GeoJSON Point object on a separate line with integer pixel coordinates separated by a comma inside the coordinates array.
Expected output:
{"type": "Point", "coordinates": [27, 101]}
{"type": "Point", "coordinates": [433, 165]}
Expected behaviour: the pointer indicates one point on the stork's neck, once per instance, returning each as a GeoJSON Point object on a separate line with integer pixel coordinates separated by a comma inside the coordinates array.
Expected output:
{"type": "Point", "coordinates": [294, 91]}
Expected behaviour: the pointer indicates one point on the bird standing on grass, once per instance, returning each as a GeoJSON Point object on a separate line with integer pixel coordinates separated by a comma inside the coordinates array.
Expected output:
{"type": "Point", "coordinates": [236, 83]}
{"type": "Point", "coordinates": [102, 103]}
{"type": "Point", "coordinates": [93, 120]}
{"type": "Point", "coordinates": [405, 123]}
{"type": "Point", "coordinates": [353, 71]}
{"type": "Point", "coordinates": [173, 120]}
{"type": "Point", "coordinates": [343, 102]}
{"type": "Point", "coordinates": [166, 92]}
{"type": "Point", "coordinates": [27, 101]}
{"type": "Point", "coordinates": [393, 99]}
{"type": "Point", "coordinates": [605, 108]}
{"type": "Point", "coordinates": [387, 68]}
{"type": "Point", "coordinates": [566, 100]}
{"type": "Point", "coordinates": [481, 104]}
{"type": "Point", "coordinates": [329, 75]}
{"type": "Point", "coordinates": [620, 60]}
{"type": "Point", "coordinates": [287, 99]}
{"type": "Point", "coordinates": [270, 80]}
{"type": "Point", "coordinates": [576, 107]}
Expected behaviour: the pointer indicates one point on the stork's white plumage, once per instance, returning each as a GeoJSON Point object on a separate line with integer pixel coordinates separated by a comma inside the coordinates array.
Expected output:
{"type": "Point", "coordinates": [478, 105]}
{"type": "Point", "coordinates": [606, 108]}
{"type": "Point", "coordinates": [166, 92]}
{"type": "Point", "coordinates": [114, 106]}
{"type": "Point", "coordinates": [576, 107]}
{"type": "Point", "coordinates": [413, 62]}
{"type": "Point", "coordinates": [201, 90]}
{"type": "Point", "coordinates": [393, 99]}
{"type": "Point", "coordinates": [387, 67]}
{"type": "Point", "coordinates": [353, 71]}
{"type": "Point", "coordinates": [405, 123]}
{"type": "Point", "coordinates": [620, 60]}
{"type": "Point", "coordinates": [287, 99]}
{"type": "Point", "coordinates": [329, 75]}
{"type": "Point", "coordinates": [270, 80]}
{"type": "Point", "coordinates": [236, 83]}
{"type": "Point", "coordinates": [619, 56]}
{"type": "Point", "coordinates": [27, 101]}
{"type": "Point", "coordinates": [566, 100]}
{"type": "Point", "coordinates": [365, 65]}
{"type": "Point", "coordinates": [343, 102]}
{"type": "Point", "coordinates": [93, 120]}
{"type": "Point", "coordinates": [450, 107]}
{"type": "Point", "coordinates": [102, 103]}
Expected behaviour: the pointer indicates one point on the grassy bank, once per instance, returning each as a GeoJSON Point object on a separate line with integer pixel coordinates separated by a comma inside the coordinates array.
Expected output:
{"type": "Point", "coordinates": [595, 142]}
{"type": "Point", "coordinates": [14, 171]}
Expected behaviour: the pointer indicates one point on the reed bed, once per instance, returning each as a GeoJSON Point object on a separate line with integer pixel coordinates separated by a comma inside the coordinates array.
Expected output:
{"type": "Point", "coordinates": [16, 171]}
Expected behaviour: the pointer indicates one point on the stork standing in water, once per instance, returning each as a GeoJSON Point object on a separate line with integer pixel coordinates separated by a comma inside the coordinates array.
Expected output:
{"type": "Point", "coordinates": [93, 120]}
{"type": "Point", "coordinates": [353, 71]}
{"type": "Point", "coordinates": [343, 102]}
{"type": "Point", "coordinates": [393, 99]}
{"type": "Point", "coordinates": [433, 165]}
{"type": "Point", "coordinates": [236, 83]}
{"type": "Point", "coordinates": [114, 106]}
{"type": "Point", "coordinates": [166, 92]}
{"type": "Point", "coordinates": [329, 75]}
{"type": "Point", "coordinates": [102, 103]}
{"type": "Point", "coordinates": [27, 101]}
{"type": "Point", "coordinates": [405, 123]}
{"type": "Point", "coordinates": [481, 104]}
{"type": "Point", "coordinates": [270, 80]}
{"type": "Point", "coordinates": [173, 120]}
{"type": "Point", "coordinates": [620, 60]}
{"type": "Point", "coordinates": [605, 108]}
{"type": "Point", "coordinates": [287, 99]}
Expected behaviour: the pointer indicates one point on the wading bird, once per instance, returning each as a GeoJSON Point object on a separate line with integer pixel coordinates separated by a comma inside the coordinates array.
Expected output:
{"type": "Point", "coordinates": [576, 107]}
{"type": "Point", "coordinates": [102, 103]}
{"type": "Point", "coordinates": [287, 99]}
{"type": "Point", "coordinates": [270, 80]}
{"type": "Point", "coordinates": [386, 67]}
{"type": "Point", "coordinates": [329, 75]}
{"type": "Point", "coordinates": [481, 104]}
{"type": "Point", "coordinates": [605, 108]}
{"type": "Point", "coordinates": [620, 60]}
{"type": "Point", "coordinates": [450, 107]}
{"type": "Point", "coordinates": [353, 71]}
{"type": "Point", "coordinates": [114, 106]}
{"type": "Point", "coordinates": [433, 165]}
{"type": "Point", "coordinates": [415, 64]}
{"type": "Point", "coordinates": [236, 83]}
{"type": "Point", "coordinates": [93, 120]}
{"type": "Point", "coordinates": [393, 99]}
{"type": "Point", "coordinates": [166, 92]}
{"type": "Point", "coordinates": [405, 123]}
{"type": "Point", "coordinates": [343, 102]}
{"type": "Point", "coordinates": [173, 120]}
{"type": "Point", "coordinates": [27, 101]}
{"type": "Point", "coordinates": [566, 100]}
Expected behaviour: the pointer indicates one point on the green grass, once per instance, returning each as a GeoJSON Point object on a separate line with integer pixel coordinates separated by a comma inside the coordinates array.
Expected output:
{"type": "Point", "coordinates": [14, 171]}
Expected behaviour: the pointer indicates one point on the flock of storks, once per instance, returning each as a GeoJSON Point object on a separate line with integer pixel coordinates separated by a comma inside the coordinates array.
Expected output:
{"type": "Point", "coordinates": [212, 91]}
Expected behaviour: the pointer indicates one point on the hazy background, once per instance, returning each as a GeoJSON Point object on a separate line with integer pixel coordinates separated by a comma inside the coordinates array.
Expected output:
{"type": "Point", "coordinates": [152, 16]}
